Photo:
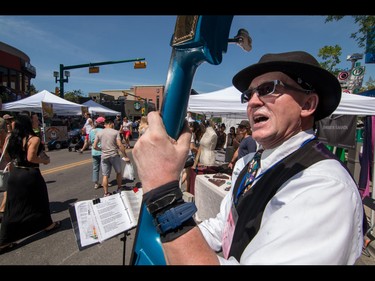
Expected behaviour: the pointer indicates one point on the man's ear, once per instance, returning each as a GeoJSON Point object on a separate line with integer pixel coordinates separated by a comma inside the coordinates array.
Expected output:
{"type": "Point", "coordinates": [310, 104]}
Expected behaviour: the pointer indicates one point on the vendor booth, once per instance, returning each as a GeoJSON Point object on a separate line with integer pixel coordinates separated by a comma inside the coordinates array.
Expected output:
{"type": "Point", "coordinates": [96, 108]}
{"type": "Point", "coordinates": [34, 104]}
{"type": "Point", "coordinates": [48, 105]}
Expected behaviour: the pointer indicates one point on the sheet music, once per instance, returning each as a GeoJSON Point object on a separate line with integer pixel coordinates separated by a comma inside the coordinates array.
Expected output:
{"type": "Point", "coordinates": [113, 216]}
{"type": "Point", "coordinates": [134, 200]}
{"type": "Point", "coordinates": [106, 217]}
{"type": "Point", "coordinates": [86, 223]}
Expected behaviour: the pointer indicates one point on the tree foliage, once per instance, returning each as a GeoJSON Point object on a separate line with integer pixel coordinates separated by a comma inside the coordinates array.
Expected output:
{"type": "Point", "coordinates": [73, 96]}
{"type": "Point", "coordinates": [331, 58]}
{"type": "Point", "coordinates": [369, 85]}
{"type": "Point", "coordinates": [366, 24]}
{"type": "Point", "coordinates": [33, 90]}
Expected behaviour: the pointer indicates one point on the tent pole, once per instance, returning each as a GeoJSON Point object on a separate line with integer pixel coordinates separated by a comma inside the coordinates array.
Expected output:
{"type": "Point", "coordinates": [44, 133]}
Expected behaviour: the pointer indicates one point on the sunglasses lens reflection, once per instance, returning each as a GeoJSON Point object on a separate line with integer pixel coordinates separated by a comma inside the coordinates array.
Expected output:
{"type": "Point", "coordinates": [264, 89]}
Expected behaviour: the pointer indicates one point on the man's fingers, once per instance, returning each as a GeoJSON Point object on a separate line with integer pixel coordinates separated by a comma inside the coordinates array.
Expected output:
{"type": "Point", "coordinates": [185, 136]}
{"type": "Point", "coordinates": [155, 121]}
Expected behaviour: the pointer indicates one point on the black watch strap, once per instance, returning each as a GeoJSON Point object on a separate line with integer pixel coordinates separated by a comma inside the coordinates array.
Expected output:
{"type": "Point", "coordinates": [164, 201]}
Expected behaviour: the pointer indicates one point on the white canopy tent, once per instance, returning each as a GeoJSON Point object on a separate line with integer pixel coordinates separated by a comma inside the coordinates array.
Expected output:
{"type": "Point", "coordinates": [226, 103]}
{"type": "Point", "coordinates": [221, 103]}
{"type": "Point", "coordinates": [96, 108]}
{"type": "Point", "coordinates": [34, 103]}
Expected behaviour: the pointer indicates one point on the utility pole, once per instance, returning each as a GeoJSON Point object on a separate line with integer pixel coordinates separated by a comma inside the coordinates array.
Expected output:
{"type": "Point", "coordinates": [59, 76]}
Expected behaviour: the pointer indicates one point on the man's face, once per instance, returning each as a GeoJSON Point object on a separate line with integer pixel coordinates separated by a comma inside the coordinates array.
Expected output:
{"type": "Point", "coordinates": [242, 129]}
{"type": "Point", "coordinates": [276, 117]}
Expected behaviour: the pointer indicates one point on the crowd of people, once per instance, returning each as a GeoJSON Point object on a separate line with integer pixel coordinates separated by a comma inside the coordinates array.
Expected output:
{"type": "Point", "coordinates": [107, 137]}
{"type": "Point", "coordinates": [209, 137]}
{"type": "Point", "coordinates": [291, 200]}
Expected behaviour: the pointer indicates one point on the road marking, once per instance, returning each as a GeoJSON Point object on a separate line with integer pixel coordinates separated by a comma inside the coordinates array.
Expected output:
{"type": "Point", "coordinates": [64, 167]}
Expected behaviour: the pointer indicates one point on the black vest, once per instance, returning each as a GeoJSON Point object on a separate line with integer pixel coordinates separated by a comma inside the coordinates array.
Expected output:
{"type": "Point", "coordinates": [251, 205]}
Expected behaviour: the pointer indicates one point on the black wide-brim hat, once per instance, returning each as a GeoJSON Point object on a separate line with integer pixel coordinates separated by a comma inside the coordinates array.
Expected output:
{"type": "Point", "coordinates": [301, 65]}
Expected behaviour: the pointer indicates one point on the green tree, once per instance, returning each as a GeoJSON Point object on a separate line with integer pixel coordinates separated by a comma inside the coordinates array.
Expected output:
{"type": "Point", "coordinates": [331, 58]}
{"type": "Point", "coordinates": [32, 90]}
{"type": "Point", "coordinates": [366, 24]}
{"type": "Point", "coordinates": [370, 84]}
{"type": "Point", "coordinates": [73, 96]}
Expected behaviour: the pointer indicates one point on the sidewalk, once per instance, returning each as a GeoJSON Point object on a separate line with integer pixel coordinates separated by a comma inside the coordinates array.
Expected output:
{"type": "Point", "coordinates": [368, 253]}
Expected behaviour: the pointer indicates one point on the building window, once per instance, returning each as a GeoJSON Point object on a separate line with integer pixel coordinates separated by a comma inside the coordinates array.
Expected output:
{"type": "Point", "coordinates": [13, 80]}
{"type": "Point", "coordinates": [4, 76]}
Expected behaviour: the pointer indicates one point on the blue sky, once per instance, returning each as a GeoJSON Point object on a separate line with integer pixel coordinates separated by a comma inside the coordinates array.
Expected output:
{"type": "Point", "coordinates": [70, 40]}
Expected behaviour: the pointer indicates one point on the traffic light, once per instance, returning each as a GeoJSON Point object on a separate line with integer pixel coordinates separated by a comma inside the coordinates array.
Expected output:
{"type": "Point", "coordinates": [57, 91]}
{"type": "Point", "coordinates": [140, 64]}
{"type": "Point", "coordinates": [143, 111]}
{"type": "Point", "coordinates": [94, 69]}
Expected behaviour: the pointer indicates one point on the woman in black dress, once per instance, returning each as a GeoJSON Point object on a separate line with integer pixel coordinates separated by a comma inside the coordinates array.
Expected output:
{"type": "Point", "coordinates": [27, 206]}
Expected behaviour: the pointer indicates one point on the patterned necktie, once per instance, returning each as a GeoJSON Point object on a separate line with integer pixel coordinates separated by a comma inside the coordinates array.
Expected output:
{"type": "Point", "coordinates": [254, 165]}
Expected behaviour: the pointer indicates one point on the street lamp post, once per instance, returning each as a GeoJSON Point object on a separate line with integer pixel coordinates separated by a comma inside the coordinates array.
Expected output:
{"type": "Point", "coordinates": [61, 79]}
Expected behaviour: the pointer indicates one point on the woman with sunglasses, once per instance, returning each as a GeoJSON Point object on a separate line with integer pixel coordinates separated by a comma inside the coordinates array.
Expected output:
{"type": "Point", "coordinates": [297, 204]}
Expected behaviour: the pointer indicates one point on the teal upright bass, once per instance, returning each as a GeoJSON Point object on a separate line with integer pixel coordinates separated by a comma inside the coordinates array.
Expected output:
{"type": "Point", "coordinates": [196, 39]}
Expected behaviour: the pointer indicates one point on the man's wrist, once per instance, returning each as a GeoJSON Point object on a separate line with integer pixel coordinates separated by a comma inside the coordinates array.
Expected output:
{"type": "Point", "coordinates": [156, 193]}
{"type": "Point", "coordinates": [174, 197]}
{"type": "Point", "coordinates": [172, 216]}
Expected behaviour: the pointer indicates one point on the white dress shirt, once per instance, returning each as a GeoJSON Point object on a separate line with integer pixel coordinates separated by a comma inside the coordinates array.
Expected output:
{"type": "Point", "coordinates": [315, 218]}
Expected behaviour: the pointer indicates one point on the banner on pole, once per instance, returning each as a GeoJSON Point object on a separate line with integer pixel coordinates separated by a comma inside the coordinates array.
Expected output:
{"type": "Point", "coordinates": [84, 109]}
{"type": "Point", "coordinates": [338, 130]}
{"type": "Point", "coordinates": [47, 109]}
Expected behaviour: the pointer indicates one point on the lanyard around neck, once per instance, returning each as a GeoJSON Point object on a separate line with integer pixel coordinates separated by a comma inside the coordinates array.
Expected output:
{"type": "Point", "coordinates": [242, 186]}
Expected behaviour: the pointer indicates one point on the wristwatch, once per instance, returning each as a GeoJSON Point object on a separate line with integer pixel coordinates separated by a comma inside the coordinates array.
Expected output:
{"type": "Point", "coordinates": [164, 201]}
{"type": "Point", "coordinates": [174, 217]}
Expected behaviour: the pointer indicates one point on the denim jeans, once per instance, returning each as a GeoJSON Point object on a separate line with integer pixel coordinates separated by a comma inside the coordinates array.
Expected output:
{"type": "Point", "coordinates": [95, 168]}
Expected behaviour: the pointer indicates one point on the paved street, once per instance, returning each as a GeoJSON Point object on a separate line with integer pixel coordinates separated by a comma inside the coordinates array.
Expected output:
{"type": "Point", "coordinates": [68, 179]}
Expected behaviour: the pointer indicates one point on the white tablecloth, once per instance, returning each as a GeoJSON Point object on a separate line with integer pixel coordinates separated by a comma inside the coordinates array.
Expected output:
{"type": "Point", "coordinates": [208, 196]}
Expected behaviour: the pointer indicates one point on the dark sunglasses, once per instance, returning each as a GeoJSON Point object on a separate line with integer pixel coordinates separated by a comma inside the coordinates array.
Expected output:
{"type": "Point", "coordinates": [268, 88]}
